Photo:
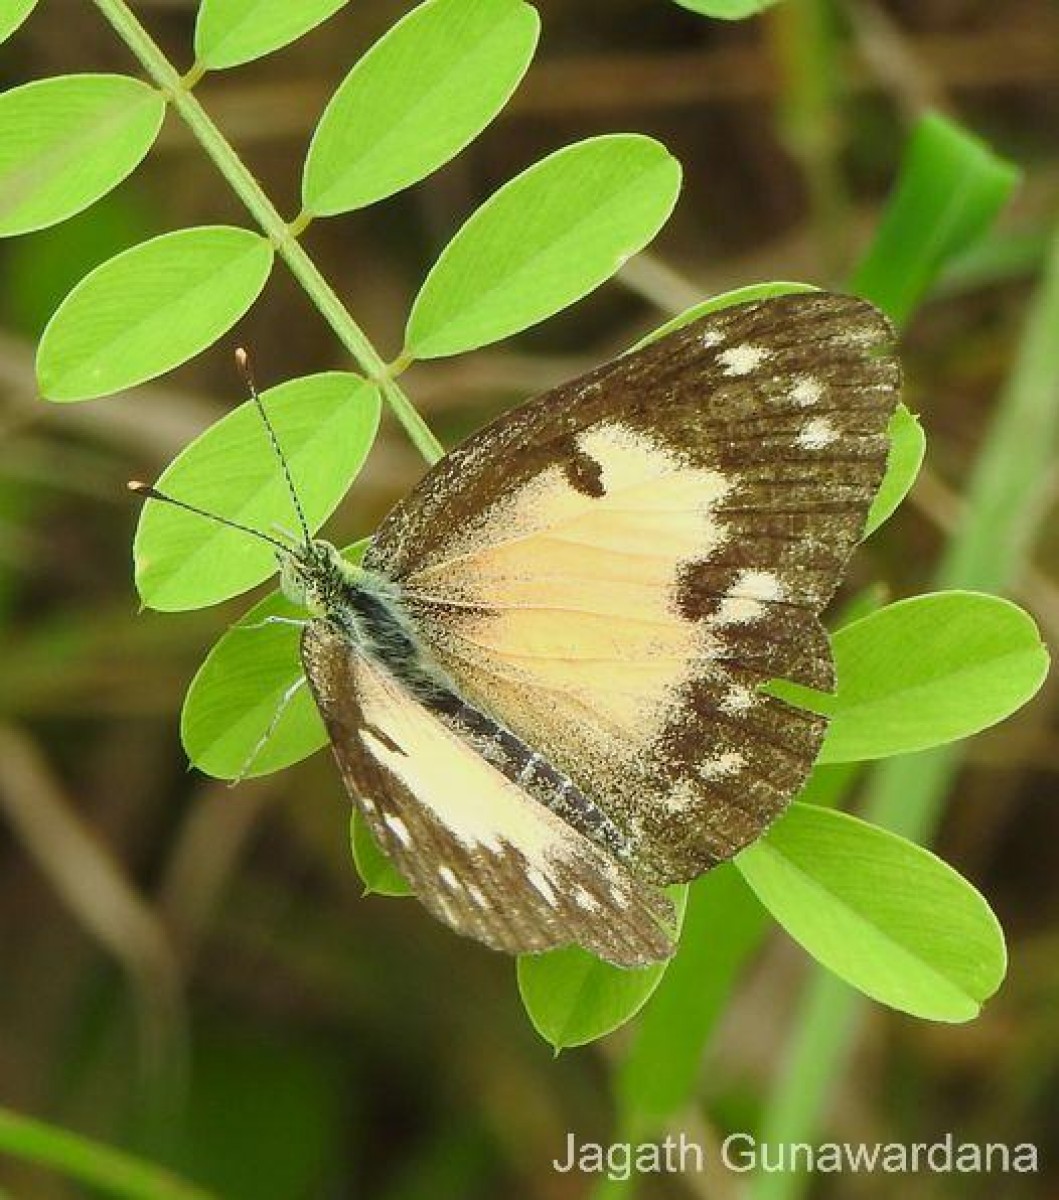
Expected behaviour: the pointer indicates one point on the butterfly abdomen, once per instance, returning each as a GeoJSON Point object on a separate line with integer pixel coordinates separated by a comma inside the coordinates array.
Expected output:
{"type": "Point", "coordinates": [373, 616]}
{"type": "Point", "coordinates": [529, 769]}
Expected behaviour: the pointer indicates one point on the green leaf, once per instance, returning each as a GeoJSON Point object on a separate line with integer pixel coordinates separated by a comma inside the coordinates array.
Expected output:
{"type": "Point", "coordinates": [572, 997]}
{"type": "Point", "coordinates": [236, 693]}
{"type": "Point", "coordinates": [742, 295]}
{"type": "Point", "coordinates": [421, 94]}
{"type": "Point", "coordinates": [949, 189]}
{"type": "Point", "coordinates": [65, 142]}
{"type": "Point", "coordinates": [230, 32]}
{"type": "Point", "coordinates": [723, 926]}
{"type": "Point", "coordinates": [378, 874]}
{"type": "Point", "coordinates": [908, 444]}
{"type": "Point", "coordinates": [544, 240]}
{"type": "Point", "coordinates": [14, 13]}
{"type": "Point", "coordinates": [883, 914]}
{"type": "Point", "coordinates": [149, 309]}
{"type": "Point", "coordinates": [325, 425]}
{"type": "Point", "coordinates": [727, 10]}
{"type": "Point", "coordinates": [923, 672]}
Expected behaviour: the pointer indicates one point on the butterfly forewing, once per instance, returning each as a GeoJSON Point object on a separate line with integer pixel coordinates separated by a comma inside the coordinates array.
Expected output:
{"type": "Point", "coordinates": [613, 569]}
{"type": "Point", "coordinates": [479, 851]}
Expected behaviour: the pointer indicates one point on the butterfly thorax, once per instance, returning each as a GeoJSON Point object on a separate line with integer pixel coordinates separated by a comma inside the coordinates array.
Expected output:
{"type": "Point", "coordinates": [363, 605]}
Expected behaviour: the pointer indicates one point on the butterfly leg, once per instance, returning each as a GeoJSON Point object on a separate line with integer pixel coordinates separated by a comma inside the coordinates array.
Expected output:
{"type": "Point", "coordinates": [261, 742]}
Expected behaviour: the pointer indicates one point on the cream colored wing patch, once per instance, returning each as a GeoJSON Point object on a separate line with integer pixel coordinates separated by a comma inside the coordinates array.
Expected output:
{"type": "Point", "coordinates": [577, 603]}
{"type": "Point", "coordinates": [479, 851]}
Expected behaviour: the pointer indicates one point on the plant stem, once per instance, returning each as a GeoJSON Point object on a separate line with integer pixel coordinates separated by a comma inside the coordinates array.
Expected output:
{"type": "Point", "coordinates": [810, 116]}
{"type": "Point", "coordinates": [819, 1051]}
{"type": "Point", "coordinates": [90, 1162]}
{"type": "Point", "coordinates": [261, 208]}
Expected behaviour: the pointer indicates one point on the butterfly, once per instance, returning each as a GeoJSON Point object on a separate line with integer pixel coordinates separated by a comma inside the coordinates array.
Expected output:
{"type": "Point", "coordinates": [542, 685]}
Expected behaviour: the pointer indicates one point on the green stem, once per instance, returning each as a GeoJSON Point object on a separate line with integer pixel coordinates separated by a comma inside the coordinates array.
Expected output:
{"type": "Point", "coordinates": [191, 78]}
{"type": "Point", "coordinates": [261, 208]}
{"type": "Point", "coordinates": [810, 116]}
{"type": "Point", "coordinates": [819, 1052]}
{"type": "Point", "coordinates": [300, 223]}
{"type": "Point", "coordinates": [90, 1162]}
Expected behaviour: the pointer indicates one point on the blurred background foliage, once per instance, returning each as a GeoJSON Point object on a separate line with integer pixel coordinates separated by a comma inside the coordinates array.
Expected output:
{"type": "Point", "coordinates": [189, 971]}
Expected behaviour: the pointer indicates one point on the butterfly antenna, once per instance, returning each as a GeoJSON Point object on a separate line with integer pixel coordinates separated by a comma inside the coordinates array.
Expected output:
{"type": "Point", "coordinates": [152, 493]}
{"type": "Point", "coordinates": [242, 360]}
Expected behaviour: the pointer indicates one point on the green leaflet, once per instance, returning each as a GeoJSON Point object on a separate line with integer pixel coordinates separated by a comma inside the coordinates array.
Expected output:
{"type": "Point", "coordinates": [149, 309]}
{"type": "Point", "coordinates": [419, 95]}
{"type": "Point", "coordinates": [572, 997]}
{"type": "Point", "coordinates": [65, 142]}
{"type": "Point", "coordinates": [923, 672]}
{"type": "Point", "coordinates": [544, 240]}
{"type": "Point", "coordinates": [236, 693]}
{"type": "Point", "coordinates": [325, 425]}
{"type": "Point", "coordinates": [230, 32]}
{"type": "Point", "coordinates": [884, 914]}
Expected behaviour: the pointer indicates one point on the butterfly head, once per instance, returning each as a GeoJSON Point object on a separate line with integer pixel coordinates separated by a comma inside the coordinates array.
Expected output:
{"type": "Point", "coordinates": [314, 576]}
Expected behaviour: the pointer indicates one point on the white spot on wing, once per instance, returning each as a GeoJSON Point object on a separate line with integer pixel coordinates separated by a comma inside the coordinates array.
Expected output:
{"type": "Point", "coordinates": [741, 360]}
{"type": "Point", "coordinates": [860, 335]}
{"type": "Point", "coordinates": [711, 338]}
{"type": "Point", "coordinates": [749, 597]}
{"type": "Point", "coordinates": [728, 762]}
{"type": "Point", "coordinates": [765, 585]}
{"type": "Point", "coordinates": [584, 899]}
{"type": "Point", "coordinates": [448, 877]}
{"type": "Point", "coordinates": [686, 794]}
{"type": "Point", "coordinates": [737, 699]}
{"type": "Point", "coordinates": [806, 391]}
{"type": "Point", "coordinates": [816, 434]}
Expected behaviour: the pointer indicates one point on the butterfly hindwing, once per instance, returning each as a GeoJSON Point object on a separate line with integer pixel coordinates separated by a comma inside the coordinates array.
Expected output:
{"type": "Point", "coordinates": [613, 569]}
{"type": "Point", "coordinates": [479, 851]}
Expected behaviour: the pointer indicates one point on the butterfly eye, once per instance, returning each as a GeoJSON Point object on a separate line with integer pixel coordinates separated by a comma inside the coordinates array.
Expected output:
{"type": "Point", "coordinates": [291, 579]}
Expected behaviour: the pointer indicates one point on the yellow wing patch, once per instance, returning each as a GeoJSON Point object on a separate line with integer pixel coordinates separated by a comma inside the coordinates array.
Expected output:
{"type": "Point", "coordinates": [642, 488]}
{"type": "Point", "coordinates": [576, 600]}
